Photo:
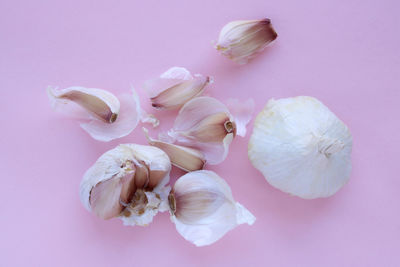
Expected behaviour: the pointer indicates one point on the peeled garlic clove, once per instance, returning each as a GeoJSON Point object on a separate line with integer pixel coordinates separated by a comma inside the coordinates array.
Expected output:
{"type": "Point", "coordinates": [301, 147]}
{"type": "Point", "coordinates": [129, 182]}
{"type": "Point", "coordinates": [110, 118]}
{"type": "Point", "coordinates": [203, 209]}
{"type": "Point", "coordinates": [187, 159]}
{"type": "Point", "coordinates": [174, 88]}
{"type": "Point", "coordinates": [205, 124]}
{"type": "Point", "coordinates": [242, 40]}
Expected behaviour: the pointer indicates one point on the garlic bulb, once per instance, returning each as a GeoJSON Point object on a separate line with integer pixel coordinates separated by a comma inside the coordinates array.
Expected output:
{"type": "Point", "coordinates": [175, 87]}
{"type": "Point", "coordinates": [203, 209]}
{"type": "Point", "coordinates": [241, 40]}
{"type": "Point", "coordinates": [207, 125]}
{"type": "Point", "coordinates": [301, 147]}
{"type": "Point", "coordinates": [107, 116]}
{"type": "Point", "coordinates": [129, 182]}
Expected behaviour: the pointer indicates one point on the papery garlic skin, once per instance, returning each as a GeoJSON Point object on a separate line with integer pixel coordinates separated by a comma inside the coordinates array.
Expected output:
{"type": "Point", "coordinates": [203, 208]}
{"type": "Point", "coordinates": [207, 125]}
{"type": "Point", "coordinates": [106, 116]}
{"type": "Point", "coordinates": [129, 182]}
{"type": "Point", "coordinates": [175, 87]}
{"type": "Point", "coordinates": [241, 40]}
{"type": "Point", "coordinates": [301, 147]}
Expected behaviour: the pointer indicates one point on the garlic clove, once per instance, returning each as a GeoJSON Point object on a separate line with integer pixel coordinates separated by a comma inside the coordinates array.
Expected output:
{"type": "Point", "coordinates": [242, 112]}
{"type": "Point", "coordinates": [205, 124]}
{"type": "Point", "coordinates": [174, 88]}
{"type": "Point", "coordinates": [107, 122]}
{"type": "Point", "coordinates": [185, 158]}
{"type": "Point", "coordinates": [203, 209]}
{"type": "Point", "coordinates": [117, 185]}
{"type": "Point", "coordinates": [99, 103]}
{"type": "Point", "coordinates": [242, 40]}
{"type": "Point", "coordinates": [104, 198]}
{"type": "Point", "coordinates": [301, 147]}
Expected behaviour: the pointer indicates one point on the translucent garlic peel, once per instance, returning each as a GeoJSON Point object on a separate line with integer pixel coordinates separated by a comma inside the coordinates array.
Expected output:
{"type": "Point", "coordinates": [242, 112]}
{"type": "Point", "coordinates": [301, 147]}
{"type": "Point", "coordinates": [175, 87]}
{"type": "Point", "coordinates": [242, 40]}
{"type": "Point", "coordinates": [203, 208]}
{"type": "Point", "coordinates": [115, 169]}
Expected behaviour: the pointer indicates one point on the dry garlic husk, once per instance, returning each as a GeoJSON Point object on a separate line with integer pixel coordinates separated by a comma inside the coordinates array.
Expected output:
{"type": "Point", "coordinates": [241, 40]}
{"type": "Point", "coordinates": [207, 125]}
{"type": "Point", "coordinates": [106, 116]}
{"type": "Point", "coordinates": [203, 209]}
{"type": "Point", "coordinates": [301, 147]}
{"type": "Point", "coordinates": [175, 87]}
{"type": "Point", "coordinates": [128, 182]}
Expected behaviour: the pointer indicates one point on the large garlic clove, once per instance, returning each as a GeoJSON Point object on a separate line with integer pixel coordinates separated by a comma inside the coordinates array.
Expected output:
{"type": "Point", "coordinates": [301, 147]}
{"type": "Point", "coordinates": [242, 40]}
{"type": "Point", "coordinates": [203, 209]}
{"type": "Point", "coordinates": [175, 87]}
{"type": "Point", "coordinates": [205, 124]}
{"type": "Point", "coordinates": [108, 118]}
{"type": "Point", "coordinates": [185, 158]}
{"type": "Point", "coordinates": [128, 181]}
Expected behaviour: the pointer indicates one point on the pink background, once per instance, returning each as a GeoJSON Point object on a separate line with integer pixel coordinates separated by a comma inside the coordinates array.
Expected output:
{"type": "Point", "coordinates": [345, 53]}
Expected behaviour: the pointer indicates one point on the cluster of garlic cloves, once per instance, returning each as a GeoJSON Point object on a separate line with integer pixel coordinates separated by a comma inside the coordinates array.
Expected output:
{"type": "Point", "coordinates": [175, 87]}
{"type": "Point", "coordinates": [203, 209]}
{"type": "Point", "coordinates": [130, 182]}
{"type": "Point", "coordinates": [106, 116]}
{"type": "Point", "coordinates": [241, 40]}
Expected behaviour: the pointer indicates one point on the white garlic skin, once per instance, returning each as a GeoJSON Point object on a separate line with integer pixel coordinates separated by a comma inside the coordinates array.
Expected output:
{"type": "Point", "coordinates": [301, 147]}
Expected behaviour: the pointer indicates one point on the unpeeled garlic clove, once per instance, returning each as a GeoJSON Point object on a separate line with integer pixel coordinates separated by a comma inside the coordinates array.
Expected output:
{"type": "Point", "coordinates": [203, 209]}
{"type": "Point", "coordinates": [185, 158]}
{"type": "Point", "coordinates": [301, 147]}
{"type": "Point", "coordinates": [107, 117]}
{"type": "Point", "coordinates": [129, 182]}
{"type": "Point", "coordinates": [206, 124]}
{"type": "Point", "coordinates": [100, 103]}
{"type": "Point", "coordinates": [241, 40]}
{"type": "Point", "coordinates": [175, 87]}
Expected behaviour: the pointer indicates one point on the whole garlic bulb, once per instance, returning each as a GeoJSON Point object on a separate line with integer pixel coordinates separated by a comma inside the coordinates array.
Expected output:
{"type": "Point", "coordinates": [129, 182]}
{"type": "Point", "coordinates": [301, 147]}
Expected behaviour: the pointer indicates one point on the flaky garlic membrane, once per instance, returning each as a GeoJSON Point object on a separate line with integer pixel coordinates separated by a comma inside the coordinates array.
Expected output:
{"type": "Point", "coordinates": [129, 182]}
{"type": "Point", "coordinates": [175, 87]}
{"type": "Point", "coordinates": [106, 116]}
{"type": "Point", "coordinates": [301, 147]}
{"type": "Point", "coordinates": [203, 209]}
{"type": "Point", "coordinates": [207, 125]}
{"type": "Point", "coordinates": [241, 40]}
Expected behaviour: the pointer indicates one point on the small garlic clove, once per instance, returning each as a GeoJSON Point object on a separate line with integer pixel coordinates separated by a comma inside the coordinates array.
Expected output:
{"type": "Point", "coordinates": [301, 147]}
{"type": "Point", "coordinates": [205, 124]}
{"type": "Point", "coordinates": [203, 209]}
{"type": "Point", "coordinates": [117, 185]}
{"type": "Point", "coordinates": [104, 198]}
{"type": "Point", "coordinates": [242, 40]}
{"type": "Point", "coordinates": [185, 158]}
{"type": "Point", "coordinates": [123, 120]}
{"type": "Point", "coordinates": [174, 88]}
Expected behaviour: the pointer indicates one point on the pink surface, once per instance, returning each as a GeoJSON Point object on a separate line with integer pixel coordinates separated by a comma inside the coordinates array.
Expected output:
{"type": "Point", "coordinates": [345, 53]}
